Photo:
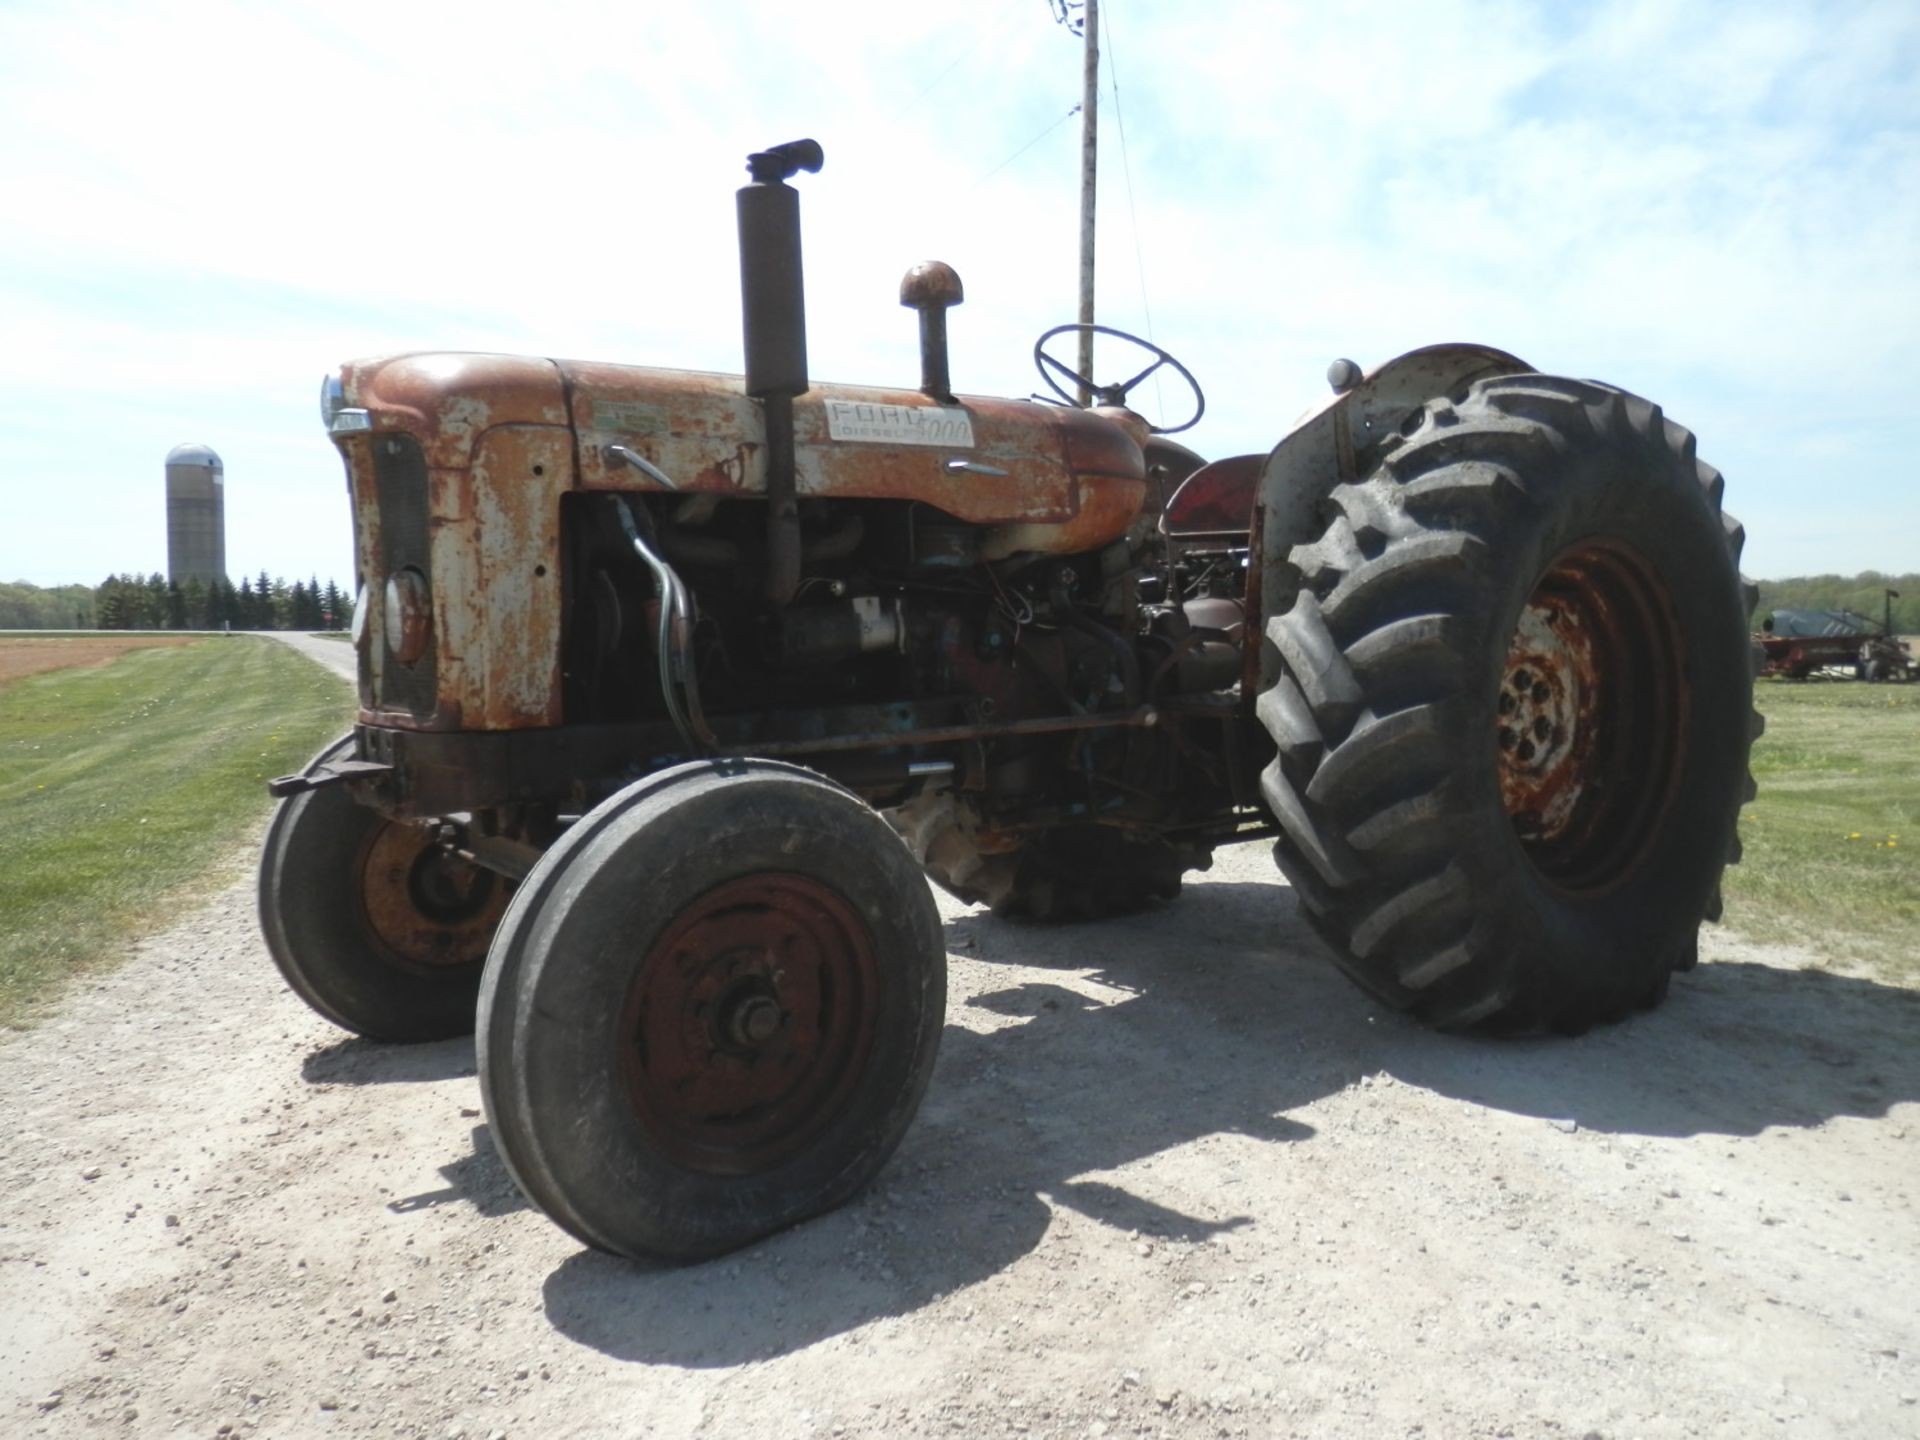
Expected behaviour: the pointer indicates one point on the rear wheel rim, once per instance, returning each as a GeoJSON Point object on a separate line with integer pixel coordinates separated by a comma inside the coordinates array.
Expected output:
{"type": "Point", "coordinates": [749, 1023]}
{"type": "Point", "coordinates": [1589, 725]}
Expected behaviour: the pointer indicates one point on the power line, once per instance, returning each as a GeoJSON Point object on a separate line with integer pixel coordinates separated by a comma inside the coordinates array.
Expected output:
{"type": "Point", "coordinates": [1026, 147]}
{"type": "Point", "coordinates": [981, 37]}
{"type": "Point", "coordinates": [928, 88]}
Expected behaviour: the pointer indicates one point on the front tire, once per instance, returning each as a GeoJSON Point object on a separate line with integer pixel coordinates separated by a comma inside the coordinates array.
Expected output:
{"type": "Point", "coordinates": [1514, 710]}
{"type": "Point", "coordinates": [369, 921]}
{"type": "Point", "coordinates": [711, 1011]}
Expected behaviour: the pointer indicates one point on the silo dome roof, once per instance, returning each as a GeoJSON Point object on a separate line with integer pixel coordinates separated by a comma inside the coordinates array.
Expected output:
{"type": "Point", "coordinates": [194, 455]}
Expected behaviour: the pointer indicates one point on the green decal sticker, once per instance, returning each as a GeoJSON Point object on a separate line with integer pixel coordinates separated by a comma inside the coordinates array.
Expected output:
{"type": "Point", "coordinates": [628, 417]}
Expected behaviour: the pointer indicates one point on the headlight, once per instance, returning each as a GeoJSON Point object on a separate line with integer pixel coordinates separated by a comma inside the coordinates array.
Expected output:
{"type": "Point", "coordinates": [333, 399]}
{"type": "Point", "coordinates": [359, 628]}
{"type": "Point", "coordinates": [334, 413]}
{"type": "Point", "coordinates": [409, 615]}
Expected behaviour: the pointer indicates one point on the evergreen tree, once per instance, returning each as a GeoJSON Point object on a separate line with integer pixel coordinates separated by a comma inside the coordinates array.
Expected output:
{"type": "Point", "coordinates": [154, 602]}
{"type": "Point", "coordinates": [110, 605]}
{"type": "Point", "coordinates": [193, 605]}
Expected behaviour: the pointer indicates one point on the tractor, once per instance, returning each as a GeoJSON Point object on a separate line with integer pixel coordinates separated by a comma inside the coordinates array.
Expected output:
{"type": "Point", "coordinates": [1796, 644]}
{"type": "Point", "coordinates": [676, 688]}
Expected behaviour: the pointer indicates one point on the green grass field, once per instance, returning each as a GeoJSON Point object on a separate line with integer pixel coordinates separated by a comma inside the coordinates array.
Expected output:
{"type": "Point", "coordinates": [123, 787]}
{"type": "Point", "coordinates": [1833, 841]}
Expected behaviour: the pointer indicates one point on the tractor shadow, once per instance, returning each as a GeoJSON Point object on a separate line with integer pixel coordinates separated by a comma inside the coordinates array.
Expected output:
{"type": "Point", "coordinates": [354, 1061]}
{"type": "Point", "coordinates": [478, 1180]}
{"type": "Point", "coordinates": [1072, 1053]}
{"type": "Point", "coordinates": [1740, 1047]}
{"type": "Point", "coordinates": [1184, 1029]}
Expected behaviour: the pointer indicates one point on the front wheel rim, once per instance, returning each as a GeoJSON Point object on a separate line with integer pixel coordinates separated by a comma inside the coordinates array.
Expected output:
{"type": "Point", "coordinates": [428, 909]}
{"type": "Point", "coordinates": [750, 1022]}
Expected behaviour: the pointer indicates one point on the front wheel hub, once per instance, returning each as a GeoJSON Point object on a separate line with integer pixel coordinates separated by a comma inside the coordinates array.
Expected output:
{"type": "Point", "coordinates": [429, 908]}
{"type": "Point", "coordinates": [754, 1020]}
{"type": "Point", "coordinates": [749, 1022]}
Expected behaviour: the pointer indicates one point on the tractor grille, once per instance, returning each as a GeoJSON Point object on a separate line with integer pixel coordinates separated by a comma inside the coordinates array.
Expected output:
{"type": "Point", "coordinates": [400, 480]}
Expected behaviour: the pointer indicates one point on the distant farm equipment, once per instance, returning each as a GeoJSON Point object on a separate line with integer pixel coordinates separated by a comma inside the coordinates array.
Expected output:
{"type": "Point", "coordinates": [1802, 643]}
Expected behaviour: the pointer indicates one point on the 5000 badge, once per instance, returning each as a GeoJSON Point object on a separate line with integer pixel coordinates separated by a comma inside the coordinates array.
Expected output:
{"type": "Point", "coordinates": [871, 423]}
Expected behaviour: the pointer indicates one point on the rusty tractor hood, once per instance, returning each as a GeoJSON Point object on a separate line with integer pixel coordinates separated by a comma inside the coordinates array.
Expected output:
{"type": "Point", "coordinates": [457, 464]}
{"type": "Point", "coordinates": [1063, 479]}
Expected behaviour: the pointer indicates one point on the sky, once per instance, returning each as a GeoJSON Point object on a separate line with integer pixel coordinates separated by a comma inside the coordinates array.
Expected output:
{"type": "Point", "coordinates": [205, 207]}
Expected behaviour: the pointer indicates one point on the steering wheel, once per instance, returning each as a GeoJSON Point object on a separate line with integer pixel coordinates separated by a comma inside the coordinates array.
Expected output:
{"type": "Point", "coordinates": [1048, 367]}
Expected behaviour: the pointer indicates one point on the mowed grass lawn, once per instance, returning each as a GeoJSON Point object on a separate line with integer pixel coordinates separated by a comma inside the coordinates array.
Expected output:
{"type": "Point", "coordinates": [1833, 841]}
{"type": "Point", "coordinates": [121, 786]}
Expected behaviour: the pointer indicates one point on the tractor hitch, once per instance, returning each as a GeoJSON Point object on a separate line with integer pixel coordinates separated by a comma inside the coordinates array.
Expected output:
{"type": "Point", "coordinates": [332, 772]}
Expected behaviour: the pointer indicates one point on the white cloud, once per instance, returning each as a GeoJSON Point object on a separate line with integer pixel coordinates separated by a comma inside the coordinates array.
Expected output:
{"type": "Point", "coordinates": [208, 204]}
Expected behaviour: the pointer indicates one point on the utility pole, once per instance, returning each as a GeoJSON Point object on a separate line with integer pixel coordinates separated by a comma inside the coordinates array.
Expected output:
{"type": "Point", "coordinates": [1089, 149]}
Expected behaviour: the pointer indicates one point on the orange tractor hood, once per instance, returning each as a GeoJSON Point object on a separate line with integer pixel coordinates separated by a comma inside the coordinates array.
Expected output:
{"type": "Point", "coordinates": [1047, 479]}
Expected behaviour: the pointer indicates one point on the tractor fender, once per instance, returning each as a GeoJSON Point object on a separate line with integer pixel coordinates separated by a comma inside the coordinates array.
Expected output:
{"type": "Point", "coordinates": [1336, 441]}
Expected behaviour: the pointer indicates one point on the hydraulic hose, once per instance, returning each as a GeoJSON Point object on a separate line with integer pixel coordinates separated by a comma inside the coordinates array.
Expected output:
{"type": "Point", "coordinates": [677, 672]}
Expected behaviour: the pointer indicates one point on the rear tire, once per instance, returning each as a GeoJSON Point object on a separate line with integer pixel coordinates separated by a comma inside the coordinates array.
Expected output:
{"type": "Point", "coordinates": [368, 921]}
{"type": "Point", "coordinates": [711, 1011]}
{"type": "Point", "coordinates": [1514, 710]}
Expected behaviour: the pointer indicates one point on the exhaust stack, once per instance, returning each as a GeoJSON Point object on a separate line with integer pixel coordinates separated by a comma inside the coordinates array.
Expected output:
{"type": "Point", "coordinates": [773, 318]}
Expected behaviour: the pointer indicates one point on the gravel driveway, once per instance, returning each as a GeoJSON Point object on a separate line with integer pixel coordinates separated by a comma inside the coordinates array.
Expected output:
{"type": "Point", "coordinates": [1173, 1177]}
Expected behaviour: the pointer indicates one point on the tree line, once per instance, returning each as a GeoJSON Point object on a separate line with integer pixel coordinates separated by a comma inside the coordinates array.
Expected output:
{"type": "Point", "coordinates": [152, 602]}
{"type": "Point", "coordinates": [28, 607]}
{"type": "Point", "coordinates": [129, 602]}
{"type": "Point", "coordinates": [264, 602]}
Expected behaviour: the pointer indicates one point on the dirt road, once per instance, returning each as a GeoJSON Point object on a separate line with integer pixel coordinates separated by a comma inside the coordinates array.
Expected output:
{"type": "Point", "coordinates": [337, 655]}
{"type": "Point", "coordinates": [1173, 1177]}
